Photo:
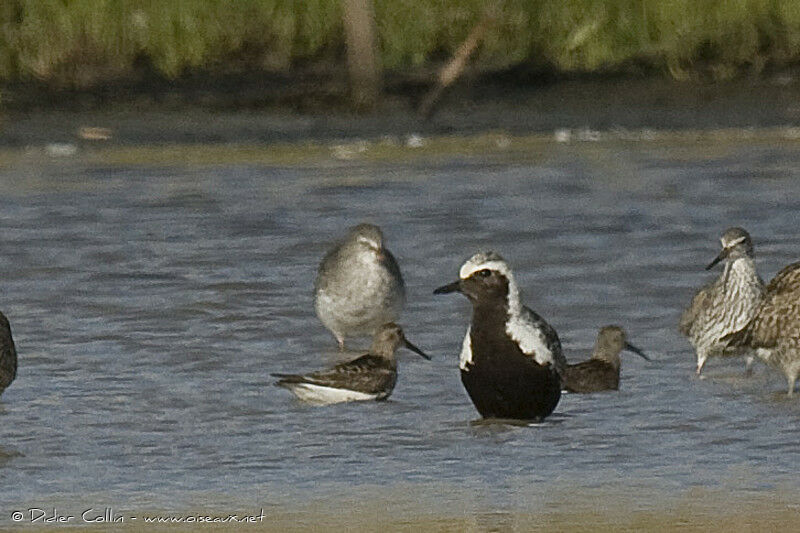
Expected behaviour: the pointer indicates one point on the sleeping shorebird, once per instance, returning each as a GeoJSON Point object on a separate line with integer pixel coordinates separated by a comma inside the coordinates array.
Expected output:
{"type": "Point", "coordinates": [369, 377]}
{"type": "Point", "coordinates": [726, 304]}
{"type": "Point", "coordinates": [511, 358]}
{"type": "Point", "coordinates": [774, 331]}
{"type": "Point", "coordinates": [8, 355]}
{"type": "Point", "coordinates": [358, 286]}
{"type": "Point", "coordinates": [601, 372]}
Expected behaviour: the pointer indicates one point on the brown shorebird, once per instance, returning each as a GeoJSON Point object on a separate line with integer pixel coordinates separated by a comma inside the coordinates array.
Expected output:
{"type": "Point", "coordinates": [359, 286]}
{"type": "Point", "coordinates": [8, 355]}
{"type": "Point", "coordinates": [601, 372]}
{"type": "Point", "coordinates": [774, 332]}
{"type": "Point", "coordinates": [511, 358]}
{"type": "Point", "coordinates": [726, 304]}
{"type": "Point", "coordinates": [369, 377]}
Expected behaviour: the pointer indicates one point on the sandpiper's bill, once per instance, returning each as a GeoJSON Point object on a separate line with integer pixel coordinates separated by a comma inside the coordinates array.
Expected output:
{"type": "Point", "coordinates": [8, 355]}
{"type": "Point", "coordinates": [358, 286]}
{"type": "Point", "coordinates": [774, 332]}
{"type": "Point", "coordinates": [726, 304]}
{"type": "Point", "coordinates": [369, 377]}
{"type": "Point", "coordinates": [511, 358]}
{"type": "Point", "coordinates": [601, 371]}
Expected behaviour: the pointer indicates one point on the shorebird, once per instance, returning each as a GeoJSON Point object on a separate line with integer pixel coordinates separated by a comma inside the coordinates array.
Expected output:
{"type": "Point", "coordinates": [511, 358]}
{"type": "Point", "coordinates": [358, 286]}
{"type": "Point", "coordinates": [726, 304]}
{"type": "Point", "coordinates": [369, 377]}
{"type": "Point", "coordinates": [774, 331]}
{"type": "Point", "coordinates": [601, 371]}
{"type": "Point", "coordinates": [8, 355]}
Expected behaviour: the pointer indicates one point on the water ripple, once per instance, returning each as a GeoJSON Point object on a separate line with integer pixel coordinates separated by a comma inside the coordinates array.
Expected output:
{"type": "Point", "coordinates": [149, 314]}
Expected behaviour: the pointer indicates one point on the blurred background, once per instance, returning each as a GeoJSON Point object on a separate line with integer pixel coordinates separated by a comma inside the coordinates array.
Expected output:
{"type": "Point", "coordinates": [325, 54]}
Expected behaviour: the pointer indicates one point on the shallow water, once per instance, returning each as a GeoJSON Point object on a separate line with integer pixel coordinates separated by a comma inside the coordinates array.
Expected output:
{"type": "Point", "coordinates": [149, 306]}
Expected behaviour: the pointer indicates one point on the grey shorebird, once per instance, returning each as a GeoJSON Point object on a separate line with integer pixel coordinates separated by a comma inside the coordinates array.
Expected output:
{"type": "Point", "coordinates": [726, 304]}
{"type": "Point", "coordinates": [8, 355]}
{"type": "Point", "coordinates": [774, 331]}
{"type": "Point", "coordinates": [358, 286]}
{"type": "Point", "coordinates": [369, 377]}
{"type": "Point", "coordinates": [511, 358]}
{"type": "Point", "coordinates": [601, 371]}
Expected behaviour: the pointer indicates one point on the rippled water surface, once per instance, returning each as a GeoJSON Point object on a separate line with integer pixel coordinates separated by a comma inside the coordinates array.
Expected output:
{"type": "Point", "coordinates": [149, 306]}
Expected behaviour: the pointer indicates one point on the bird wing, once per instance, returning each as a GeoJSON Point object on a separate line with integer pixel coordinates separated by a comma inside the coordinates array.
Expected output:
{"type": "Point", "coordinates": [391, 265]}
{"type": "Point", "coordinates": [591, 375]}
{"type": "Point", "coordinates": [329, 261]}
{"type": "Point", "coordinates": [368, 374]}
{"type": "Point", "coordinates": [537, 339]}
{"type": "Point", "coordinates": [690, 314]}
{"type": "Point", "coordinates": [779, 313]}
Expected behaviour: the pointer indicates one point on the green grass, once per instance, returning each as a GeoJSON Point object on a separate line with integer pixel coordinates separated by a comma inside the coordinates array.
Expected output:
{"type": "Point", "coordinates": [78, 43]}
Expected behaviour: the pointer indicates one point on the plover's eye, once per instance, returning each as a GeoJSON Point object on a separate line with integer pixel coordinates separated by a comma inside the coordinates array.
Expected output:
{"type": "Point", "coordinates": [485, 273]}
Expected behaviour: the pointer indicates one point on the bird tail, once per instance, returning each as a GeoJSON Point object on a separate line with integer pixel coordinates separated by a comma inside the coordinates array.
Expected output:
{"type": "Point", "coordinates": [288, 379]}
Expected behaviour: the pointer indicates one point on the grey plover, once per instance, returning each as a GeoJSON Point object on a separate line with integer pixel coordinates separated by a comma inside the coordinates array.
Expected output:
{"type": "Point", "coordinates": [358, 286]}
{"type": "Point", "coordinates": [726, 304]}
{"type": "Point", "coordinates": [369, 377]}
{"type": "Point", "coordinates": [8, 355]}
{"type": "Point", "coordinates": [774, 331]}
{"type": "Point", "coordinates": [511, 358]}
{"type": "Point", "coordinates": [601, 371]}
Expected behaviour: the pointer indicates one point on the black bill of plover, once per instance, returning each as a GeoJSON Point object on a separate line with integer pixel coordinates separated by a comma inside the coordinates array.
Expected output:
{"type": "Point", "coordinates": [511, 358]}
{"type": "Point", "coordinates": [358, 286]}
{"type": "Point", "coordinates": [774, 331]}
{"type": "Point", "coordinates": [369, 377]}
{"type": "Point", "coordinates": [726, 304]}
{"type": "Point", "coordinates": [601, 371]}
{"type": "Point", "coordinates": [8, 355]}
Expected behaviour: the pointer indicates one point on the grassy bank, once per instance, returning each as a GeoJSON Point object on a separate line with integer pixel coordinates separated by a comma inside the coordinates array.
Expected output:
{"type": "Point", "coordinates": [83, 42]}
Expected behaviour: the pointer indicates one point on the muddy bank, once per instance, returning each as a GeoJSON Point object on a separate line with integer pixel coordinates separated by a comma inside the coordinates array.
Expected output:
{"type": "Point", "coordinates": [254, 113]}
{"type": "Point", "coordinates": [397, 510]}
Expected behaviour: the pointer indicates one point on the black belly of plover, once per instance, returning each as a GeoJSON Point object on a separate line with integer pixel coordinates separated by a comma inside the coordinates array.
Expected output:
{"type": "Point", "coordinates": [512, 387]}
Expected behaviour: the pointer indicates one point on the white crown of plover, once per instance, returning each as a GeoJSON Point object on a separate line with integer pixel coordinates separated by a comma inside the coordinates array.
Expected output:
{"type": "Point", "coordinates": [511, 358]}
{"type": "Point", "coordinates": [774, 331]}
{"type": "Point", "coordinates": [8, 355]}
{"type": "Point", "coordinates": [358, 286]}
{"type": "Point", "coordinates": [727, 303]}
{"type": "Point", "coordinates": [369, 377]}
{"type": "Point", "coordinates": [601, 371]}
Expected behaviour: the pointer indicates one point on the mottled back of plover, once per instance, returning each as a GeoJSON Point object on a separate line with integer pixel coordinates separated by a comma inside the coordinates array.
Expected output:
{"type": "Point", "coordinates": [511, 358]}
{"type": "Point", "coordinates": [726, 304]}
{"type": "Point", "coordinates": [774, 331]}
{"type": "Point", "coordinates": [601, 371]}
{"type": "Point", "coordinates": [358, 285]}
{"type": "Point", "coordinates": [369, 377]}
{"type": "Point", "coordinates": [8, 355]}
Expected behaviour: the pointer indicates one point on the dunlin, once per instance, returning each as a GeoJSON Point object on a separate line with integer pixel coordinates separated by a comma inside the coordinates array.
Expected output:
{"type": "Point", "coordinates": [369, 377]}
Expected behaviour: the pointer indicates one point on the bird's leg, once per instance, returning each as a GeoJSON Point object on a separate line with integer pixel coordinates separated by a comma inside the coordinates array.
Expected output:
{"type": "Point", "coordinates": [791, 378]}
{"type": "Point", "coordinates": [701, 360]}
{"type": "Point", "coordinates": [340, 340]}
{"type": "Point", "coordinates": [748, 365]}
